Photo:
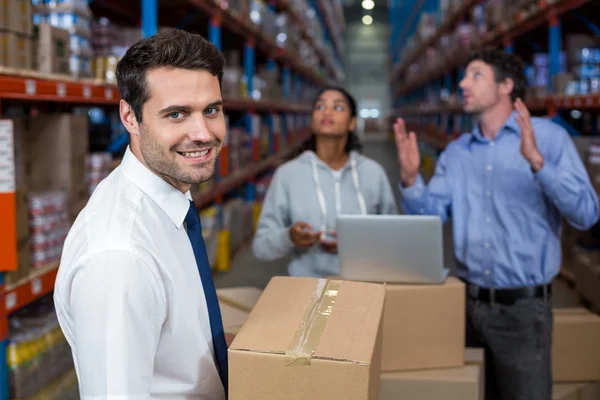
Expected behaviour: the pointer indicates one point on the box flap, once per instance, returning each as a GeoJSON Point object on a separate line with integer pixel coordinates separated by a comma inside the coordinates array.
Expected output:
{"type": "Point", "coordinates": [244, 298]}
{"type": "Point", "coordinates": [233, 318]}
{"type": "Point", "coordinates": [317, 315]}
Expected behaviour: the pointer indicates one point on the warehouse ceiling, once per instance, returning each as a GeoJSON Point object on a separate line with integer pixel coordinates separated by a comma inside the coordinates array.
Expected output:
{"type": "Point", "coordinates": [353, 11]}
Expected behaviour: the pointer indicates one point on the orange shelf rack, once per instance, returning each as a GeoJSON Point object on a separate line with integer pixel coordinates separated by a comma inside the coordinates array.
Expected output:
{"type": "Point", "coordinates": [55, 88]}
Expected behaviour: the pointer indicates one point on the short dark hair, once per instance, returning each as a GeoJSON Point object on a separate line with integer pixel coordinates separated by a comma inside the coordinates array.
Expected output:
{"type": "Point", "coordinates": [353, 142]}
{"type": "Point", "coordinates": [505, 65]}
{"type": "Point", "coordinates": [170, 48]}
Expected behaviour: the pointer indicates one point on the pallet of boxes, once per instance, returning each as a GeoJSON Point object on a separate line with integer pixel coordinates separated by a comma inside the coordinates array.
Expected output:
{"type": "Point", "coordinates": [51, 186]}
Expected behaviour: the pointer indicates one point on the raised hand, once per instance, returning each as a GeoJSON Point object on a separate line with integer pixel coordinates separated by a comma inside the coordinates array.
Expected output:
{"type": "Point", "coordinates": [408, 153]}
{"type": "Point", "coordinates": [529, 148]}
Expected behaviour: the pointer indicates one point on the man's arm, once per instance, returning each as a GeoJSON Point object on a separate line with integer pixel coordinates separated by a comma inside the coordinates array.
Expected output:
{"type": "Point", "coordinates": [432, 199]}
{"type": "Point", "coordinates": [567, 184]}
{"type": "Point", "coordinates": [118, 306]}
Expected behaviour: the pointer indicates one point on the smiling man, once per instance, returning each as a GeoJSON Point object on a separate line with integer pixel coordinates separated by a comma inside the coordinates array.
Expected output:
{"type": "Point", "coordinates": [506, 185]}
{"type": "Point", "coordinates": [134, 293]}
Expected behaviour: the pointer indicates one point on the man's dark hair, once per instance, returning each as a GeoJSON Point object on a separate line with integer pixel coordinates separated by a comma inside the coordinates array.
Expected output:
{"type": "Point", "coordinates": [170, 48]}
{"type": "Point", "coordinates": [353, 142]}
{"type": "Point", "coordinates": [505, 66]}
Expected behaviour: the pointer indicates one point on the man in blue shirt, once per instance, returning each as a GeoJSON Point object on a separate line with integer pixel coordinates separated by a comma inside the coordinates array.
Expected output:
{"type": "Point", "coordinates": [506, 186]}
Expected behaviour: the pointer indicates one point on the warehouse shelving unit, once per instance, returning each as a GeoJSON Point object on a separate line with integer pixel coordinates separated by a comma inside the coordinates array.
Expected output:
{"type": "Point", "coordinates": [408, 94]}
{"type": "Point", "coordinates": [31, 88]}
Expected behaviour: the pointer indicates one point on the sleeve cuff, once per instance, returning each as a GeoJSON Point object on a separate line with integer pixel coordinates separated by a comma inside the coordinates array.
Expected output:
{"type": "Point", "coordinates": [415, 191]}
{"type": "Point", "coordinates": [548, 177]}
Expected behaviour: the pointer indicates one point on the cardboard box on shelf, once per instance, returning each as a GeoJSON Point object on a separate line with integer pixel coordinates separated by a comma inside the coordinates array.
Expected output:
{"type": "Point", "coordinates": [18, 16]}
{"type": "Point", "coordinates": [301, 341]}
{"type": "Point", "coordinates": [18, 51]}
{"type": "Point", "coordinates": [57, 148]}
{"type": "Point", "coordinates": [3, 47]}
{"type": "Point", "coordinates": [575, 347]}
{"type": "Point", "coordinates": [459, 383]}
{"type": "Point", "coordinates": [576, 391]}
{"type": "Point", "coordinates": [54, 50]}
{"type": "Point", "coordinates": [424, 326]}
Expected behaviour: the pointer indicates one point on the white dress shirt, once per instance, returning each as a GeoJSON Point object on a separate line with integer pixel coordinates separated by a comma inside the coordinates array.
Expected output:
{"type": "Point", "coordinates": [129, 297]}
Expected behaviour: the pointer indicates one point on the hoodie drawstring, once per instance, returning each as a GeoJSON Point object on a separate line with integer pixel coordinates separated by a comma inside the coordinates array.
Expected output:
{"type": "Point", "coordinates": [321, 197]}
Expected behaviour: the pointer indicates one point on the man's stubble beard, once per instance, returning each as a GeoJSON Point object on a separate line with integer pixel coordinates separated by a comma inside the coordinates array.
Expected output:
{"type": "Point", "coordinates": [168, 169]}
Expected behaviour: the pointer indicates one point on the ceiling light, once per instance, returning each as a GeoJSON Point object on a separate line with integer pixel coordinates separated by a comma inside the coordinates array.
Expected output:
{"type": "Point", "coordinates": [367, 20]}
{"type": "Point", "coordinates": [368, 4]}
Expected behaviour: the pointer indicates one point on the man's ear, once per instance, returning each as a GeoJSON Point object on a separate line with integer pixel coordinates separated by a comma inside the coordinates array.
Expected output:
{"type": "Point", "coordinates": [507, 86]}
{"type": "Point", "coordinates": [128, 118]}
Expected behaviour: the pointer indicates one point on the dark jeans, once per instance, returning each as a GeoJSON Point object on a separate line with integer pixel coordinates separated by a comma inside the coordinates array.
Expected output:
{"type": "Point", "coordinates": [517, 340]}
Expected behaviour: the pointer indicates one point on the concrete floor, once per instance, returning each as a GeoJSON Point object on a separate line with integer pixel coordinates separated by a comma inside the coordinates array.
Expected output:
{"type": "Point", "coordinates": [246, 270]}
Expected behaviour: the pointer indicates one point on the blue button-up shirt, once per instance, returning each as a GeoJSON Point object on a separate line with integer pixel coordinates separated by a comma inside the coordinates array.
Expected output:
{"type": "Point", "coordinates": [506, 218]}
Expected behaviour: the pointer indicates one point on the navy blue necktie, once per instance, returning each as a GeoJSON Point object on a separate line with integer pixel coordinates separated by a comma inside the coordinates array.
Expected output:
{"type": "Point", "coordinates": [194, 231]}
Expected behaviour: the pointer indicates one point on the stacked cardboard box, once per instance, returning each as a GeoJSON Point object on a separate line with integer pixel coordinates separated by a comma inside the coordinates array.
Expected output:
{"type": "Point", "coordinates": [301, 341]}
{"type": "Point", "coordinates": [57, 150]}
{"type": "Point", "coordinates": [575, 348]}
{"type": "Point", "coordinates": [458, 383]}
{"type": "Point", "coordinates": [54, 51]}
{"type": "Point", "coordinates": [578, 391]}
{"type": "Point", "coordinates": [16, 28]}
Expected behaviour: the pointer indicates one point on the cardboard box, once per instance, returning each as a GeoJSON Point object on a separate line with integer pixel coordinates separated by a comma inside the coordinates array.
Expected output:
{"type": "Point", "coordinates": [312, 339]}
{"type": "Point", "coordinates": [575, 347]}
{"type": "Point", "coordinates": [57, 148]}
{"type": "Point", "coordinates": [18, 51]}
{"type": "Point", "coordinates": [586, 269]}
{"type": "Point", "coordinates": [236, 304]}
{"type": "Point", "coordinates": [54, 50]}
{"type": "Point", "coordinates": [576, 391]}
{"type": "Point", "coordinates": [460, 383]}
{"type": "Point", "coordinates": [424, 326]}
{"type": "Point", "coordinates": [19, 16]}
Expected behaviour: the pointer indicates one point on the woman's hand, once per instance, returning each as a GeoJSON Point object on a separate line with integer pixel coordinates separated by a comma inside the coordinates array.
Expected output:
{"type": "Point", "coordinates": [302, 235]}
{"type": "Point", "coordinates": [330, 244]}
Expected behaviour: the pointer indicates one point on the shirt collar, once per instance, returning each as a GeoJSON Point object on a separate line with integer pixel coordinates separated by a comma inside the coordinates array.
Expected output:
{"type": "Point", "coordinates": [174, 203]}
{"type": "Point", "coordinates": [511, 125]}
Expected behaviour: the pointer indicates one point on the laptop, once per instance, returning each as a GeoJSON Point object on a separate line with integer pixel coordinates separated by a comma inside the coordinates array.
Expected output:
{"type": "Point", "coordinates": [391, 248]}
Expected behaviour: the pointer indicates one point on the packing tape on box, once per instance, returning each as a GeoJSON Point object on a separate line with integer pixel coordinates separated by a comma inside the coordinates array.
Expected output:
{"type": "Point", "coordinates": [312, 326]}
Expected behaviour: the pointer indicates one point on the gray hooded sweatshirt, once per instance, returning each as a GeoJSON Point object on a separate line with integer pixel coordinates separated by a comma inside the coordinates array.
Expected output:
{"type": "Point", "coordinates": [308, 190]}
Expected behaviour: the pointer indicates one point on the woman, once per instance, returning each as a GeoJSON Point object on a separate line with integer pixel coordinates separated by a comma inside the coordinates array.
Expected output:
{"type": "Point", "coordinates": [327, 178]}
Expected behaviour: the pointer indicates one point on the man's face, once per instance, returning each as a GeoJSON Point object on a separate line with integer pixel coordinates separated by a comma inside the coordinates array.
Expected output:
{"type": "Point", "coordinates": [183, 126]}
{"type": "Point", "coordinates": [480, 89]}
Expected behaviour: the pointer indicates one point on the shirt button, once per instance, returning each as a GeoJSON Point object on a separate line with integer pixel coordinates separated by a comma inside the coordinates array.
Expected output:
{"type": "Point", "coordinates": [487, 272]}
{"type": "Point", "coordinates": [488, 220]}
{"type": "Point", "coordinates": [492, 143]}
{"type": "Point", "coordinates": [489, 167]}
{"type": "Point", "coordinates": [487, 245]}
{"type": "Point", "coordinates": [488, 193]}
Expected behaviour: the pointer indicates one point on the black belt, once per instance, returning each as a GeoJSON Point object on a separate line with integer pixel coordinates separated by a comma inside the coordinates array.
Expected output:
{"type": "Point", "coordinates": [507, 296]}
